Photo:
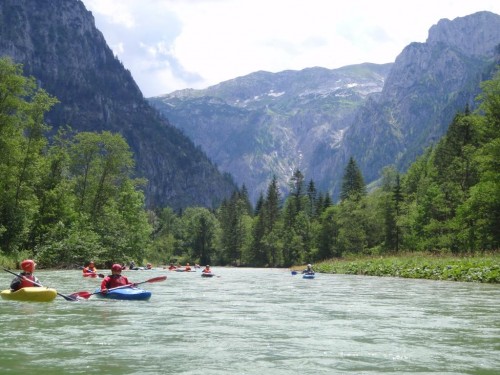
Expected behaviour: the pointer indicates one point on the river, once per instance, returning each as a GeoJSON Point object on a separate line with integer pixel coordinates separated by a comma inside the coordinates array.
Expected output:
{"type": "Point", "coordinates": [255, 321]}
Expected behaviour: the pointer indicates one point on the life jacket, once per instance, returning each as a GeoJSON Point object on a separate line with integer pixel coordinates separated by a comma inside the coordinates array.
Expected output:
{"type": "Point", "coordinates": [89, 270]}
{"type": "Point", "coordinates": [27, 283]}
{"type": "Point", "coordinates": [187, 269]}
{"type": "Point", "coordinates": [112, 281]}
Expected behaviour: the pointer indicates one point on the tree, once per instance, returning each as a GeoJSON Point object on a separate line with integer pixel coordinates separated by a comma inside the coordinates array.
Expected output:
{"type": "Point", "coordinates": [201, 234]}
{"type": "Point", "coordinates": [297, 190]}
{"type": "Point", "coordinates": [22, 145]}
{"type": "Point", "coordinates": [479, 215]}
{"type": "Point", "coordinates": [233, 216]}
{"type": "Point", "coordinates": [353, 184]}
{"type": "Point", "coordinates": [329, 232]}
{"type": "Point", "coordinates": [312, 196]}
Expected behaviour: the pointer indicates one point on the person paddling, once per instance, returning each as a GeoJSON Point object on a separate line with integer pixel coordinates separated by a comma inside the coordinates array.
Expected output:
{"type": "Point", "coordinates": [26, 278]}
{"type": "Point", "coordinates": [90, 269]}
{"type": "Point", "coordinates": [309, 270]}
{"type": "Point", "coordinates": [187, 268]}
{"type": "Point", "coordinates": [115, 279]}
{"type": "Point", "coordinates": [172, 267]}
{"type": "Point", "coordinates": [207, 269]}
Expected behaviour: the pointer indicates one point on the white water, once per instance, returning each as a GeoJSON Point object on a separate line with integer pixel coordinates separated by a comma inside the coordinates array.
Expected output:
{"type": "Point", "coordinates": [256, 321]}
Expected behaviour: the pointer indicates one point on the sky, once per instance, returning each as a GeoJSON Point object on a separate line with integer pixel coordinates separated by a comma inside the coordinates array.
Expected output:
{"type": "Point", "coordinates": [171, 45]}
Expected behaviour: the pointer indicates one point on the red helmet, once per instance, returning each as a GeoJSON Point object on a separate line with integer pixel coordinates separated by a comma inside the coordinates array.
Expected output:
{"type": "Point", "coordinates": [28, 265]}
{"type": "Point", "coordinates": [116, 267]}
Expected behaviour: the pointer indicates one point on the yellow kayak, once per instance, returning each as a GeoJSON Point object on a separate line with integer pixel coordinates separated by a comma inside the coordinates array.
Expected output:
{"type": "Point", "coordinates": [33, 294]}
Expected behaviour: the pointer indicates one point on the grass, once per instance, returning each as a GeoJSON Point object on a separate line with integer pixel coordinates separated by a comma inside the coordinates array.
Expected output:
{"type": "Point", "coordinates": [483, 268]}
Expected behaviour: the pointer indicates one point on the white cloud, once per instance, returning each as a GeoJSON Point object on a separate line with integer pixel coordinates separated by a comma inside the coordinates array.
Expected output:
{"type": "Point", "coordinates": [175, 44]}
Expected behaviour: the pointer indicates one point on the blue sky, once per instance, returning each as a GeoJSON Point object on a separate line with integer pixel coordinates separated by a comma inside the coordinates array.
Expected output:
{"type": "Point", "coordinates": [170, 45]}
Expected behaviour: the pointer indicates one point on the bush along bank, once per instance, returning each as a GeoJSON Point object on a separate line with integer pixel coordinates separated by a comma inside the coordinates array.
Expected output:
{"type": "Point", "coordinates": [475, 268]}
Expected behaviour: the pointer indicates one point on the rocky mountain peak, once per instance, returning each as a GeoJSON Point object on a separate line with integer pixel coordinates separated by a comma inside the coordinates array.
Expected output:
{"type": "Point", "coordinates": [473, 35]}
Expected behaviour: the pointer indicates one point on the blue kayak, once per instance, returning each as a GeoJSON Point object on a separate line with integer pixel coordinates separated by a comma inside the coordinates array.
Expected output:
{"type": "Point", "coordinates": [308, 276]}
{"type": "Point", "coordinates": [135, 294]}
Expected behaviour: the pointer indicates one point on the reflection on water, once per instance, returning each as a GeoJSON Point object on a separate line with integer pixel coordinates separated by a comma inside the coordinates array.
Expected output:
{"type": "Point", "coordinates": [256, 321]}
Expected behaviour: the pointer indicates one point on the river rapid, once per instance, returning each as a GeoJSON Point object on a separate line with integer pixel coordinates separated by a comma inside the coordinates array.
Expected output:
{"type": "Point", "coordinates": [255, 321]}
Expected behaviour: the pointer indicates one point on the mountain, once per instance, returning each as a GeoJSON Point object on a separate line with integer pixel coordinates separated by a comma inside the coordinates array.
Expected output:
{"type": "Point", "coordinates": [315, 119]}
{"type": "Point", "coordinates": [266, 124]}
{"type": "Point", "coordinates": [58, 44]}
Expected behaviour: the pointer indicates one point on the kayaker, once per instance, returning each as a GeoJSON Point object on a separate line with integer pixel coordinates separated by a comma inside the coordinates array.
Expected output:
{"type": "Point", "coordinates": [115, 279]}
{"type": "Point", "coordinates": [206, 269]}
{"type": "Point", "coordinates": [172, 267]}
{"type": "Point", "coordinates": [309, 270]}
{"type": "Point", "coordinates": [149, 266]}
{"type": "Point", "coordinates": [187, 268]}
{"type": "Point", "coordinates": [25, 278]}
{"type": "Point", "coordinates": [90, 268]}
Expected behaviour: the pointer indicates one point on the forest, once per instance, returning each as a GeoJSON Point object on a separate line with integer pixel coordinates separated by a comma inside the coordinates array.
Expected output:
{"type": "Point", "coordinates": [68, 197]}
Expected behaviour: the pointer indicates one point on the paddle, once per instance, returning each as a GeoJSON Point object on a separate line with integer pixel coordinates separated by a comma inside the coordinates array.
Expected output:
{"type": "Point", "coordinates": [87, 295]}
{"type": "Point", "coordinates": [102, 276]}
{"type": "Point", "coordinates": [67, 298]}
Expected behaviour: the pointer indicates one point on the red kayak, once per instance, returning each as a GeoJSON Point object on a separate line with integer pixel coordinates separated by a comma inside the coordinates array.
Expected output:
{"type": "Point", "coordinates": [90, 274]}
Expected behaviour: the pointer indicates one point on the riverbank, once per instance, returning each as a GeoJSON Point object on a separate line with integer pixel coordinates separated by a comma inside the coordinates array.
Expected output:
{"type": "Point", "coordinates": [483, 268]}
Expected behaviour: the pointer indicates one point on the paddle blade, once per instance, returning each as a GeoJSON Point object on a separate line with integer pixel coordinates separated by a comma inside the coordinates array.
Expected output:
{"type": "Point", "coordinates": [156, 279]}
{"type": "Point", "coordinates": [68, 298]}
{"type": "Point", "coordinates": [84, 295]}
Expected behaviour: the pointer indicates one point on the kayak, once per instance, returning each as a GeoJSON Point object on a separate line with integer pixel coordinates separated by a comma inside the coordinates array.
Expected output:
{"type": "Point", "coordinates": [89, 274]}
{"type": "Point", "coordinates": [206, 274]}
{"type": "Point", "coordinates": [308, 276]}
{"type": "Point", "coordinates": [33, 294]}
{"type": "Point", "coordinates": [125, 294]}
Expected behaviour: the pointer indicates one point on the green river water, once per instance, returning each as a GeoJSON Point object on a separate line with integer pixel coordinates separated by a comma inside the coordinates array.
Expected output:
{"type": "Point", "coordinates": [255, 321]}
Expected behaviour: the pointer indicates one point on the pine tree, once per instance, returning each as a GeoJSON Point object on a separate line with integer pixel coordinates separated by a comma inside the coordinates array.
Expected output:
{"type": "Point", "coordinates": [353, 184]}
{"type": "Point", "coordinates": [312, 196]}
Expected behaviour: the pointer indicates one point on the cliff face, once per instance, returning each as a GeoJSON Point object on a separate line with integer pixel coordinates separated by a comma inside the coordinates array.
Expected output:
{"type": "Point", "coordinates": [315, 119]}
{"type": "Point", "coordinates": [58, 44]}
{"type": "Point", "coordinates": [428, 84]}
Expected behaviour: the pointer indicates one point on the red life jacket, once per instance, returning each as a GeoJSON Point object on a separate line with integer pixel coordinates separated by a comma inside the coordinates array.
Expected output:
{"type": "Point", "coordinates": [89, 270]}
{"type": "Point", "coordinates": [27, 283]}
{"type": "Point", "coordinates": [112, 281]}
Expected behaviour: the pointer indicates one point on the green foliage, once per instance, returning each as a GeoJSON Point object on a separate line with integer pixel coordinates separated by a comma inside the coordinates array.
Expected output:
{"type": "Point", "coordinates": [353, 184]}
{"type": "Point", "coordinates": [22, 144]}
{"type": "Point", "coordinates": [67, 201]}
{"type": "Point", "coordinates": [481, 268]}
{"type": "Point", "coordinates": [201, 235]}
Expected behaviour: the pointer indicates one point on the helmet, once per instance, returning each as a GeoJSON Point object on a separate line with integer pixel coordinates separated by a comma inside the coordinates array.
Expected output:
{"type": "Point", "coordinates": [187, 264]}
{"type": "Point", "coordinates": [116, 267]}
{"type": "Point", "coordinates": [28, 265]}
{"type": "Point", "coordinates": [309, 266]}
{"type": "Point", "coordinates": [91, 263]}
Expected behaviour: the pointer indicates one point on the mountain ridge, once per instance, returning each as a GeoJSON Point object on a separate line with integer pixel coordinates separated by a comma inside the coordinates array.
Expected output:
{"type": "Point", "coordinates": [260, 117]}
